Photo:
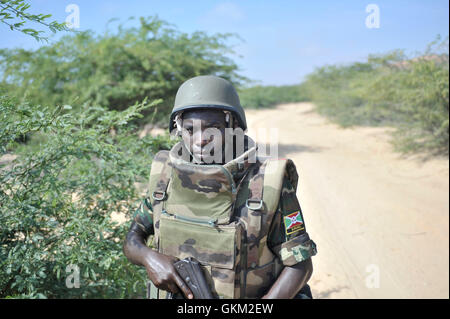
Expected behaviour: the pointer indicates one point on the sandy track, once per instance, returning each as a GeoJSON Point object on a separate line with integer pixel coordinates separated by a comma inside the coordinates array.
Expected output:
{"type": "Point", "coordinates": [368, 209]}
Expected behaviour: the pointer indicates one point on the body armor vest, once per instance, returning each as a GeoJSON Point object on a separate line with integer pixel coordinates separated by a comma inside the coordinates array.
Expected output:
{"type": "Point", "coordinates": [201, 211]}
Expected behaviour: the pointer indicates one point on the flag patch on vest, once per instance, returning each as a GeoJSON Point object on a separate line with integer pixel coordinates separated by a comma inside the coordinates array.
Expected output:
{"type": "Point", "coordinates": [293, 222]}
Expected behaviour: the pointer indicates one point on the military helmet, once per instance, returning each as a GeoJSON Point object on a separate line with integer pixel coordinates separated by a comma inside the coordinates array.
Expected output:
{"type": "Point", "coordinates": [208, 92]}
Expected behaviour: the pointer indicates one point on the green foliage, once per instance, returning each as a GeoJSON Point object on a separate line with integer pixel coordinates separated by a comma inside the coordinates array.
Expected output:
{"type": "Point", "coordinates": [411, 94]}
{"type": "Point", "coordinates": [117, 69]}
{"type": "Point", "coordinates": [14, 13]}
{"type": "Point", "coordinates": [79, 159]}
{"type": "Point", "coordinates": [57, 199]}
{"type": "Point", "coordinates": [268, 96]}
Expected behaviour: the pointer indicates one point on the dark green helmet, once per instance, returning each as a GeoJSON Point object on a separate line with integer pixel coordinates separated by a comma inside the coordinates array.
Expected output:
{"type": "Point", "coordinates": [208, 92]}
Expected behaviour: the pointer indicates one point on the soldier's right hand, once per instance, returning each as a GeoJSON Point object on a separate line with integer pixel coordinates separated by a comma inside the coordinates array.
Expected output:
{"type": "Point", "coordinates": [163, 274]}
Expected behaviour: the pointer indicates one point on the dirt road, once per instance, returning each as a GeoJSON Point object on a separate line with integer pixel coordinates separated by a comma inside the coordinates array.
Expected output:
{"type": "Point", "coordinates": [380, 221]}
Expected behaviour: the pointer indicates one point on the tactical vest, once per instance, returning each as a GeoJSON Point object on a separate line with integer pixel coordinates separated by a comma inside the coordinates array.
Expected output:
{"type": "Point", "coordinates": [200, 211]}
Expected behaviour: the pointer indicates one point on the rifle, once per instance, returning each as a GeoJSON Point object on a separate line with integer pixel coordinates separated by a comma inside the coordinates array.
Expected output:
{"type": "Point", "coordinates": [190, 271]}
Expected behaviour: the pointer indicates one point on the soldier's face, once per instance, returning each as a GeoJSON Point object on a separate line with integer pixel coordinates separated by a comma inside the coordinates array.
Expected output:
{"type": "Point", "coordinates": [203, 132]}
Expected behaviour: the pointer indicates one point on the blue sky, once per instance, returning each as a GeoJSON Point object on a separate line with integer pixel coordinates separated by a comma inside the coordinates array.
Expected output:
{"type": "Point", "coordinates": [283, 40]}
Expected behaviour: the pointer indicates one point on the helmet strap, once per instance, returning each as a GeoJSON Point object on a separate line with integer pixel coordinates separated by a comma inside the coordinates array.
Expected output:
{"type": "Point", "coordinates": [178, 123]}
{"type": "Point", "coordinates": [229, 119]}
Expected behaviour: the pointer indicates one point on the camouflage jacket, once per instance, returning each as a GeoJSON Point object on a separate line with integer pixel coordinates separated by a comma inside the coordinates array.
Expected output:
{"type": "Point", "coordinates": [285, 236]}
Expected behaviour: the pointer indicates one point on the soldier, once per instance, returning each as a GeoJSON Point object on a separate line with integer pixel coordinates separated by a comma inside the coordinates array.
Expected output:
{"type": "Point", "coordinates": [235, 212]}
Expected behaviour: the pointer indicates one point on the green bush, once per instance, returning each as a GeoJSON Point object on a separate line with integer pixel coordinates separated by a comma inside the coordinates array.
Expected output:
{"type": "Point", "coordinates": [57, 198]}
{"type": "Point", "coordinates": [117, 69]}
{"type": "Point", "coordinates": [411, 94]}
{"type": "Point", "coordinates": [268, 96]}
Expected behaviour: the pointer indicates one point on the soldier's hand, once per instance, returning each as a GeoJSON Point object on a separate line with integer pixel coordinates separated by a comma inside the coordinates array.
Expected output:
{"type": "Point", "coordinates": [163, 274]}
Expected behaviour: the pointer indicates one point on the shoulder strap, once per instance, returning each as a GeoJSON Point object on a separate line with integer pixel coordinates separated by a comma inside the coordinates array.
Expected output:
{"type": "Point", "coordinates": [159, 191]}
{"type": "Point", "coordinates": [255, 209]}
{"type": "Point", "coordinates": [264, 194]}
{"type": "Point", "coordinates": [159, 179]}
{"type": "Point", "coordinates": [275, 173]}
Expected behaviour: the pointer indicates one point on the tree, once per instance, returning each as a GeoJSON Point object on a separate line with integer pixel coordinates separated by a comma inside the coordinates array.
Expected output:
{"type": "Point", "coordinates": [14, 13]}
{"type": "Point", "coordinates": [117, 69]}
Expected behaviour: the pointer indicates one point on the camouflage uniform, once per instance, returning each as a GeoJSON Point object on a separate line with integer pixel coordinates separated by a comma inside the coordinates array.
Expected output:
{"type": "Point", "coordinates": [278, 238]}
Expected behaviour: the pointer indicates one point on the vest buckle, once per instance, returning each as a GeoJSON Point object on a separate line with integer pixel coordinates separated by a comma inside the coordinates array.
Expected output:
{"type": "Point", "coordinates": [158, 195]}
{"type": "Point", "coordinates": [259, 204]}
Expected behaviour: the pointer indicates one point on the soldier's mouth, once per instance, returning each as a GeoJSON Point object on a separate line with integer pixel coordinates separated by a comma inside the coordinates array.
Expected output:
{"type": "Point", "coordinates": [199, 151]}
{"type": "Point", "coordinates": [204, 156]}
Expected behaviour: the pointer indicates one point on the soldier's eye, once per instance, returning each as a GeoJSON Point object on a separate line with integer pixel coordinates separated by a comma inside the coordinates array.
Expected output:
{"type": "Point", "coordinates": [218, 127]}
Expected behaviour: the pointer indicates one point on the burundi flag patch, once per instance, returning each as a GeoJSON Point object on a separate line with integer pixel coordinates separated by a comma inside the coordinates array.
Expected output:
{"type": "Point", "coordinates": [293, 223]}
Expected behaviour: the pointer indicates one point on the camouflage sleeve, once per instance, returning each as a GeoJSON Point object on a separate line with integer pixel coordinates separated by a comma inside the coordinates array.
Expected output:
{"type": "Point", "coordinates": [288, 238]}
{"type": "Point", "coordinates": [143, 217]}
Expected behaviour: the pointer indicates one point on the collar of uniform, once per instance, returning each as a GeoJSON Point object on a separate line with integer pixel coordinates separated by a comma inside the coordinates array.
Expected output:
{"type": "Point", "coordinates": [237, 167]}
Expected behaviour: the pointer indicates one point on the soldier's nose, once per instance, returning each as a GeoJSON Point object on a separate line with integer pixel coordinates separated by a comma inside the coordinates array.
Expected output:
{"type": "Point", "coordinates": [201, 139]}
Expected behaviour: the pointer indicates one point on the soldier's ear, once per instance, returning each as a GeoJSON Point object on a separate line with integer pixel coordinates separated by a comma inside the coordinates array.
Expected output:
{"type": "Point", "coordinates": [176, 132]}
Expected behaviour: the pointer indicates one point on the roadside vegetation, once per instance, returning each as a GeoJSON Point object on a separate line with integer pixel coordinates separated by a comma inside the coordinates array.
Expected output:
{"type": "Point", "coordinates": [118, 68]}
{"type": "Point", "coordinates": [264, 96]}
{"type": "Point", "coordinates": [408, 93]}
{"type": "Point", "coordinates": [70, 153]}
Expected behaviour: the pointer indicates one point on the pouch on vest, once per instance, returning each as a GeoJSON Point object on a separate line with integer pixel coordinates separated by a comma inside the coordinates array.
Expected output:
{"type": "Point", "coordinates": [213, 246]}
